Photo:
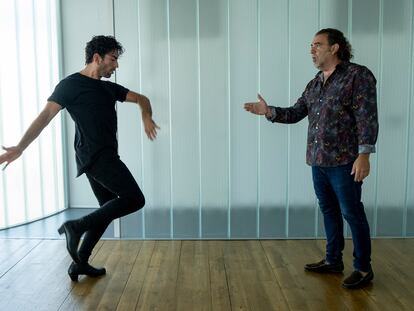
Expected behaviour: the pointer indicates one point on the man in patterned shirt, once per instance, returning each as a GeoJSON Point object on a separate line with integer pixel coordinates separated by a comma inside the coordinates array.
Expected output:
{"type": "Point", "coordinates": [341, 106]}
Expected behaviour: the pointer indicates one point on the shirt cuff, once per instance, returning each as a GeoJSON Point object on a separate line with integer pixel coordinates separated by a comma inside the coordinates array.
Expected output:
{"type": "Point", "coordinates": [366, 149]}
{"type": "Point", "coordinates": [272, 115]}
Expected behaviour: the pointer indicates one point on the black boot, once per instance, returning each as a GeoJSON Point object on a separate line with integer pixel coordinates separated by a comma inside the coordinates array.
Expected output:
{"type": "Point", "coordinates": [75, 269]}
{"type": "Point", "coordinates": [73, 235]}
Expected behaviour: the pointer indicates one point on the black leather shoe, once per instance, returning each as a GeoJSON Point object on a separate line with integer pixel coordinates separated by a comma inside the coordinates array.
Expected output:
{"type": "Point", "coordinates": [75, 269]}
{"type": "Point", "coordinates": [324, 267]}
{"type": "Point", "coordinates": [356, 280]}
{"type": "Point", "coordinates": [72, 238]}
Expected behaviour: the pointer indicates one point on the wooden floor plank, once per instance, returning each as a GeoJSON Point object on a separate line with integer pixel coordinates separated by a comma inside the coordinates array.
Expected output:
{"type": "Point", "coordinates": [219, 290]}
{"type": "Point", "coordinates": [37, 282]}
{"type": "Point", "coordinates": [14, 250]}
{"type": "Point", "coordinates": [233, 261]}
{"type": "Point", "coordinates": [302, 291]}
{"type": "Point", "coordinates": [393, 276]}
{"type": "Point", "coordinates": [193, 280]}
{"type": "Point", "coordinates": [251, 281]}
{"type": "Point", "coordinates": [118, 257]}
{"type": "Point", "coordinates": [133, 288]}
{"type": "Point", "coordinates": [393, 283]}
{"type": "Point", "coordinates": [352, 299]}
{"type": "Point", "coordinates": [158, 291]}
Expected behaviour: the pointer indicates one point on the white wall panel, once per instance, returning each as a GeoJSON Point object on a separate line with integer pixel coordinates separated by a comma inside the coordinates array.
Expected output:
{"type": "Point", "coordinates": [130, 132]}
{"type": "Point", "coordinates": [80, 21]}
{"type": "Point", "coordinates": [32, 103]}
{"type": "Point", "coordinates": [334, 14]}
{"type": "Point", "coordinates": [273, 85]}
{"type": "Point", "coordinates": [214, 115]}
{"type": "Point", "coordinates": [243, 126]}
{"type": "Point", "coordinates": [185, 128]}
{"type": "Point", "coordinates": [365, 36]}
{"type": "Point", "coordinates": [31, 187]}
{"type": "Point", "coordinates": [303, 24]}
{"type": "Point", "coordinates": [393, 117]}
{"type": "Point", "coordinates": [408, 224]}
{"type": "Point", "coordinates": [155, 64]}
{"type": "Point", "coordinates": [10, 88]}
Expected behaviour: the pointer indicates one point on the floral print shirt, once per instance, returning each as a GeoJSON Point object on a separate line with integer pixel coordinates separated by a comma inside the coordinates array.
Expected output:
{"type": "Point", "coordinates": [342, 115]}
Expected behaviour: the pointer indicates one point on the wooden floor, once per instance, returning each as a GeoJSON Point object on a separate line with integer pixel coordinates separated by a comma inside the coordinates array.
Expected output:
{"type": "Point", "coordinates": [200, 275]}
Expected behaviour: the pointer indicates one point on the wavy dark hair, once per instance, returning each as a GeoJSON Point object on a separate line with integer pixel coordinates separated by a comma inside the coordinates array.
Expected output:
{"type": "Point", "coordinates": [336, 36]}
{"type": "Point", "coordinates": [101, 45]}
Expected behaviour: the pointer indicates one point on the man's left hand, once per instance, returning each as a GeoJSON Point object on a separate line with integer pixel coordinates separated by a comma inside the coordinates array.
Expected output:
{"type": "Point", "coordinates": [150, 126]}
{"type": "Point", "coordinates": [360, 169]}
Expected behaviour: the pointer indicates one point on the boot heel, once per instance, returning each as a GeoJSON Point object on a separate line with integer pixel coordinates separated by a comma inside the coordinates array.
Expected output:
{"type": "Point", "coordinates": [73, 277]}
{"type": "Point", "coordinates": [61, 230]}
{"type": "Point", "coordinates": [72, 239]}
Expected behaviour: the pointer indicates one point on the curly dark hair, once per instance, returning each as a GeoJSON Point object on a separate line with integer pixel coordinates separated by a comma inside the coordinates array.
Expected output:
{"type": "Point", "coordinates": [336, 36]}
{"type": "Point", "coordinates": [101, 45]}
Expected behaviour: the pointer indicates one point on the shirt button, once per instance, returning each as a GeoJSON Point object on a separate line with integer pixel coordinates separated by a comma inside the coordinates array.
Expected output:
{"type": "Point", "coordinates": [317, 113]}
{"type": "Point", "coordinates": [316, 141]}
{"type": "Point", "coordinates": [316, 127]}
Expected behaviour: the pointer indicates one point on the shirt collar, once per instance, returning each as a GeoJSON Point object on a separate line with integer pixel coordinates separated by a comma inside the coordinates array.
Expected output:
{"type": "Point", "coordinates": [342, 66]}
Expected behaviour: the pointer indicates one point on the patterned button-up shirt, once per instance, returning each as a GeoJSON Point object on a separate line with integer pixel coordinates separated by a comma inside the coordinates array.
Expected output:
{"type": "Point", "coordinates": [342, 115]}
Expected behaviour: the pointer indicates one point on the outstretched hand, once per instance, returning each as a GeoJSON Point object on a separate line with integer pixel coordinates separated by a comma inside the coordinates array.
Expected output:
{"type": "Point", "coordinates": [11, 154]}
{"type": "Point", "coordinates": [150, 127]}
{"type": "Point", "coordinates": [260, 107]}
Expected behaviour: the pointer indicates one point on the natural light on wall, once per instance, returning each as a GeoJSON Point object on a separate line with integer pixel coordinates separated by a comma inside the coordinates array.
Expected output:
{"type": "Point", "coordinates": [32, 186]}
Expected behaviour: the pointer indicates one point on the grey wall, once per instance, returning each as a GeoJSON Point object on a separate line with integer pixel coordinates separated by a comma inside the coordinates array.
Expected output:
{"type": "Point", "coordinates": [216, 171]}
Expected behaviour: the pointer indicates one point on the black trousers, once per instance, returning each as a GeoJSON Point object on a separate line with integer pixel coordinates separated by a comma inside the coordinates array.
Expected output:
{"type": "Point", "coordinates": [118, 195]}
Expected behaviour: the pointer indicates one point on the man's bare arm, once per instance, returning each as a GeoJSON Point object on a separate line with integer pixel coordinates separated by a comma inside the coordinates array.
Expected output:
{"type": "Point", "coordinates": [142, 101]}
{"type": "Point", "coordinates": [46, 115]}
{"type": "Point", "coordinates": [150, 126]}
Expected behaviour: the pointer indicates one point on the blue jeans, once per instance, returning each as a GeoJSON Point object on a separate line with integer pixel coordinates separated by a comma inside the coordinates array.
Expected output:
{"type": "Point", "coordinates": [339, 195]}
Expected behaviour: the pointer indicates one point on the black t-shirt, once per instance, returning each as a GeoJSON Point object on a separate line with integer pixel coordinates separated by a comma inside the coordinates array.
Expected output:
{"type": "Point", "coordinates": [91, 104]}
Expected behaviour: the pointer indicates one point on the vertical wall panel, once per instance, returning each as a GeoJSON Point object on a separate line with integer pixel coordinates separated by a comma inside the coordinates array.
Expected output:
{"type": "Point", "coordinates": [130, 132]}
{"type": "Point", "coordinates": [393, 117]}
{"type": "Point", "coordinates": [214, 117]}
{"type": "Point", "coordinates": [365, 36]}
{"type": "Point", "coordinates": [334, 14]}
{"type": "Point", "coordinates": [243, 126]}
{"type": "Point", "coordinates": [45, 83]}
{"type": "Point", "coordinates": [3, 192]}
{"type": "Point", "coordinates": [77, 29]}
{"type": "Point", "coordinates": [185, 117]}
{"type": "Point", "coordinates": [3, 210]}
{"type": "Point", "coordinates": [155, 84]}
{"type": "Point", "coordinates": [30, 102]}
{"type": "Point", "coordinates": [410, 165]}
{"type": "Point", "coordinates": [301, 213]}
{"type": "Point", "coordinates": [274, 84]}
{"type": "Point", "coordinates": [11, 92]}
{"type": "Point", "coordinates": [32, 186]}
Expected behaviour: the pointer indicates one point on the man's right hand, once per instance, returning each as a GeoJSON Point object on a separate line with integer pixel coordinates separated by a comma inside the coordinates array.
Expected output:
{"type": "Point", "coordinates": [260, 107]}
{"type": "Point", "coordinates": [11, 154]}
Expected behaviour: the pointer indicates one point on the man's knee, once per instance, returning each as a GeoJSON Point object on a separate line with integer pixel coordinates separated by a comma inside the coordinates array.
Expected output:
{"type": "Point", "coordinates": [354, 217]}
{"type": "Point", "coordinates": [136, 202]}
